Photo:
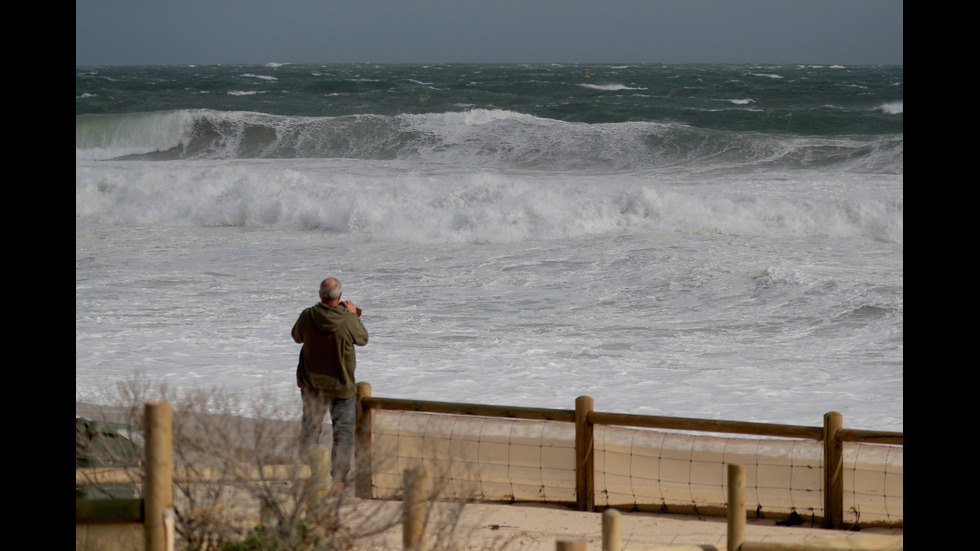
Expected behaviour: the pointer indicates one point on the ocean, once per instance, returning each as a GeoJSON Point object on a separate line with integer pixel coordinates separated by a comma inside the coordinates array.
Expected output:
{"type": "Point", "coordinates": [711, 241]}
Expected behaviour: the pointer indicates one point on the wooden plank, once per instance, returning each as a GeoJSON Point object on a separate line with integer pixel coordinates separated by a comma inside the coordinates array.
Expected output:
{"type": "Point", "coordinates": [871, 436]}
{"type": "Point", "coordinates": [706, 425]}
{"type": "Point", "coordinates": [424, 406]}
{"type": "Point", "coordinates": [92, 511]}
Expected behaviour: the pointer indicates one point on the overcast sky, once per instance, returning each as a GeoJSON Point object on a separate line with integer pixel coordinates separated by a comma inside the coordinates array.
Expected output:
{"type": "Point", "coordinates": [179, 32]}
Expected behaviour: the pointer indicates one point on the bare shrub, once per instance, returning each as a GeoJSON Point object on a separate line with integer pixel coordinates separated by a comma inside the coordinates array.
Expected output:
{"type": "Point", "coordinates": [240, 484]}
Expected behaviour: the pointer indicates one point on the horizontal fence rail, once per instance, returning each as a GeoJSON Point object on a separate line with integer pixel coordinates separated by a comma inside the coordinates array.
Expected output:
{"type": "Point", "coordinates": [94, 476]}
{"type": "Point", "coordinates": [626, 419]}
{"type": "Point", "coordinates": [423, 406]}
{"type": "Point", "coordinates": [705, 425]}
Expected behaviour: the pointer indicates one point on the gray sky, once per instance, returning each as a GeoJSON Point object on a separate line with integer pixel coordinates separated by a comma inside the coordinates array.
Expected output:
{"type": "Point", "coordinates": [178, 32]}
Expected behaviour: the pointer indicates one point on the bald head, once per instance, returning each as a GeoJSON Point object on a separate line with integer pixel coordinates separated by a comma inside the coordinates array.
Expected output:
{"type": "Point", "coordinates": [330, 291]}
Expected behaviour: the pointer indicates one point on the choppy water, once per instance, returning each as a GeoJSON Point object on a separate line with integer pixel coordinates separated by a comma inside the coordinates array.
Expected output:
{"type": "Point", "coordinates": [702, 241]}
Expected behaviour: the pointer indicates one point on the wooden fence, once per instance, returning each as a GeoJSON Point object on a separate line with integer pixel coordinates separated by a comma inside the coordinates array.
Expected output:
{"type": "Point", "coordinates": [585, 418]}
{"type": "Point", "coordinates": [735, 539]}
{"type": "Point", "coordinates": [154, 511]}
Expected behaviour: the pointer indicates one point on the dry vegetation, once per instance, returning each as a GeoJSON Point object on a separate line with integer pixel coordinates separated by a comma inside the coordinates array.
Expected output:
{"type": "Point", "coordinates": [239, 484]}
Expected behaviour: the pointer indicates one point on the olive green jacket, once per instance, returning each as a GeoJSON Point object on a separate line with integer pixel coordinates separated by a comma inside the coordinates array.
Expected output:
{"type": "Point", "coordinates": [327, 360]}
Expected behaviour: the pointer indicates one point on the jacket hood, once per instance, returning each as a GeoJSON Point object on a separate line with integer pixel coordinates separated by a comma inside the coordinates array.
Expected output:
{"type": "Point", "coordinates": [327, 318]}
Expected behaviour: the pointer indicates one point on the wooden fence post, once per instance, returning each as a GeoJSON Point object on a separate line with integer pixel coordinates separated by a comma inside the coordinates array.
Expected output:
{"type": "Point", "coordinates": [319, 476]}
{"type": "Point", "coordinates": [158, 491]}
{"type": "Point", "coordinates": [833, 472]}
{"type": "Point", "coordinates": [364, 436]}
{"type": "Point", "coordinates": [736, 507]}
{"type": "Point", "coordinates": [570, 545]}
{"type": "Point", "coordinates": [612, 530]}
{"type": "Point", "coordinates": [415, 509]}
{"type": "Point", "coordinates": [584, 455]}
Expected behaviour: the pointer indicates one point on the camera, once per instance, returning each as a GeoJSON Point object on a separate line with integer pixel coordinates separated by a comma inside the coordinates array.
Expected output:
{"type": "Point", "coordinates": [344, 304]}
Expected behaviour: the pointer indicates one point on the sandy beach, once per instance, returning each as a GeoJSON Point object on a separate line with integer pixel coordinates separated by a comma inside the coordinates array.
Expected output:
{"type": "Point", "coordinates": [539, 528]}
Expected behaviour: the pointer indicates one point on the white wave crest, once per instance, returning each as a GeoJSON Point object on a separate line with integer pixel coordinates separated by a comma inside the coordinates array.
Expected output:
{"type": "Point", "coordinates": [893, 107]}
{"type": "Point", "coordinates": [404, 202]}
{"type": "Point", "coordinates": [610, 87]}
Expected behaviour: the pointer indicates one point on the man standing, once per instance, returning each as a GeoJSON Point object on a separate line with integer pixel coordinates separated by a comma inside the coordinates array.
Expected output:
{"type": "Point", "coordinates": [328, 332]}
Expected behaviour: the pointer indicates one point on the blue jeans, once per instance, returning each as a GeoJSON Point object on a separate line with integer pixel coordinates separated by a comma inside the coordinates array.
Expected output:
{"type": "Point", "coordinates": [343, 414]}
